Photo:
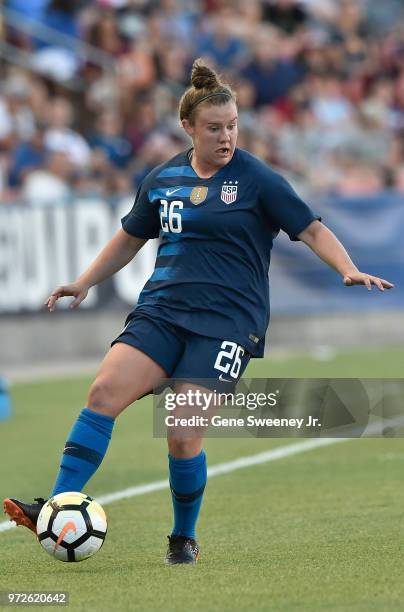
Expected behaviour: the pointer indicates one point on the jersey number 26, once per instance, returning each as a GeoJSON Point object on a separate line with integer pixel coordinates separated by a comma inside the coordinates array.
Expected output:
{"type": "Point", "coordinates": [170, 219]}
{"type": "Point", "coordinates": [229, 358]}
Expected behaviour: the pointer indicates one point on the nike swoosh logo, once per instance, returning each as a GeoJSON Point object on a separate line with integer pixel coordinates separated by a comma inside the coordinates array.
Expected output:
{"type": "Point", "coordinates": [171, 191]}
{"type": "Point", "coordinates": [225, 379]}
{"type": "Point", "coordinates": [69, 526]}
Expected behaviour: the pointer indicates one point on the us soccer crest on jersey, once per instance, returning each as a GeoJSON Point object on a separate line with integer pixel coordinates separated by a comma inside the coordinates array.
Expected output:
{"type": "Point", "coordinates": [229, 192]}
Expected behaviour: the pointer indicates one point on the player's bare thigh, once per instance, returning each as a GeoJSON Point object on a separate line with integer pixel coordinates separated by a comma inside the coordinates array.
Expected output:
{"type": "Point", "coordinates": [125, 375]}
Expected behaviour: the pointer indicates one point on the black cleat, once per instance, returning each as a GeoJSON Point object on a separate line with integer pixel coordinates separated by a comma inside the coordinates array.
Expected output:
{"type": "Point", "coordinates": [24, 514]}
{"type": "Point", "coordinates": [181, 550]}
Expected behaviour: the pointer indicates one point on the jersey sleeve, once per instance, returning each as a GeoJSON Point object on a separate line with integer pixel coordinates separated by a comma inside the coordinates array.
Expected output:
{"type": "Point", "coordinates": [284, 208]}
{"type": "Point", "coordinates": [143, 220]}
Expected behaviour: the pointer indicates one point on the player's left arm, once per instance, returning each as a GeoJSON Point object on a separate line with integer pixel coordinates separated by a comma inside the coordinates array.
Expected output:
{"type": "Point", "coordinates": [326, 245]}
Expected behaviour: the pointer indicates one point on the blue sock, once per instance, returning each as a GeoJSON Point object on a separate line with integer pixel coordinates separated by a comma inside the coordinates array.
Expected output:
{"type": "Point", "coordinates": [84, 450]}
{"type": "Point", "coordinates": [187, 483]}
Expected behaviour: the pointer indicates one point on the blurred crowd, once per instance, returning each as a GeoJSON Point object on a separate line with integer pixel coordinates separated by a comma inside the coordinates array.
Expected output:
{"type": "Point", "coordinates": [320, 87]}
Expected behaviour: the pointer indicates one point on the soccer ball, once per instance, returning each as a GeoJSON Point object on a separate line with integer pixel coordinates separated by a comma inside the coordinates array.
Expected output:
{"type": "Point", "coordinates": [71, 526]}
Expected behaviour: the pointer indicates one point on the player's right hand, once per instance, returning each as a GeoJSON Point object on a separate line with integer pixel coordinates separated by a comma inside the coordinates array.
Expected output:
{"type": "Point", "coordinates": [78, 291]}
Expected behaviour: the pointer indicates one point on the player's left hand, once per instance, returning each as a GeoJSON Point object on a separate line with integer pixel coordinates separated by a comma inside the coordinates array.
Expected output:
{"type": "Point", "coordinates": [360, 278]}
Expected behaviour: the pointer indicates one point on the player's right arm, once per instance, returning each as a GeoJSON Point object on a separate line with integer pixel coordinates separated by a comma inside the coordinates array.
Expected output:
{"type": "Point", "coordinates": [140, 224]}
{"type": "Point", "coordinates": [118, 252]}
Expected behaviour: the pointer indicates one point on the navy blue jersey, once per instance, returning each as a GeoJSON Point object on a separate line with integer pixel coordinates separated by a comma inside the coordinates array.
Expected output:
{"type": "Point", "coordinates": [211, 272]}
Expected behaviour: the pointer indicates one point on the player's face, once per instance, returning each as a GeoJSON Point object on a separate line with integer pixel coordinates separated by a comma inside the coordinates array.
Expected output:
{"type": "Point", "coordinates": [214, 133]}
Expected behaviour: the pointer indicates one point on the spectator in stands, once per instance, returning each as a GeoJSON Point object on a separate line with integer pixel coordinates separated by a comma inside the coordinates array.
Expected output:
{"type": "Point", "coordinates": [399, 100]}
{"type": "Point", "coordinates": [248, 20]}
{"type": "Point", "coordinates": [220, 44]}
{"type": "Point", "coordinates": [38, 99]}
{"type": "Point", "coordinates": [28, 155]}
{"type": "Point", "coordinates": [271, 76]}
{"type": "Point", "coordinates": [136, 72]}
{"type": "Point", "coordinates": [320, 79]}
{"type": "Point", "coordinates": [109, 137]}
{"type": "Point", "coordinates": [247, 118]}
{"type": "Point", "coordinates": [172, 64]}
{"type": "Point", "coordinates": [379, 103]}
{"type": "Point", "coordinates": [301, 141]}
{"type": "Point", "coordinates": [288, 15]}
{"type": "Point", "coordinates": [17, 122]}
{"type": "Point", "coordinates": [396, 153]}
{"type": "Point", "coordinates": [156, 149]}
{"type": "Point", "coordinates": [350, 22]}
{"type": "Point", "coordinates": [172, 60]}
{"type": "Point", "coordinates": [120, 184]}
{"type": "Point", "coordinates": [59, 135]}
{"type": "Point", "coordinates": [49, 185]}
{"type": "Point", "coordinates": [330, 107]}
{"type": "Point", "coordinates": [104, 34]}
{"type": "Point", "coordinates": [57, 56]}
{"type": "Point", "coordinates": [176, 16]}
{"type": "Point", "coordinates": [382, 17]}
{"type": "Point", "coordinates": [398, 178]}
{"type": "Point", "coordinates": [143, 122]}
{"type": "Point", "coordinates": [94, 179]}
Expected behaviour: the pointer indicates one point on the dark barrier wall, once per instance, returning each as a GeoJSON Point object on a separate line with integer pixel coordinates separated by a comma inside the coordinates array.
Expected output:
{"type": "Point", "coordinates": [43, 247]}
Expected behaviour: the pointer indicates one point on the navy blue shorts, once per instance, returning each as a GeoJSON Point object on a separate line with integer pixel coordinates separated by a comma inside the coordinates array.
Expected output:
{"type": "Point", "coordinates": [185, 355]}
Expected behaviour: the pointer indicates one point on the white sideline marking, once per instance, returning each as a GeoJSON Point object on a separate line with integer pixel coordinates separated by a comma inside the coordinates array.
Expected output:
{"type": "Point", "coordinates": [215, 470]}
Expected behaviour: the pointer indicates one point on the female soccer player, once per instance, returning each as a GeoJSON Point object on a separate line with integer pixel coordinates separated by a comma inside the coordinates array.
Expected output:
{"type": "Point", "coordinates": [205, 309]}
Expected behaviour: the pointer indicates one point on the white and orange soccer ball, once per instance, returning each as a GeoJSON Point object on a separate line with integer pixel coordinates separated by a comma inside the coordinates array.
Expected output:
{"type": "Point", "coordinates": [71, 526]}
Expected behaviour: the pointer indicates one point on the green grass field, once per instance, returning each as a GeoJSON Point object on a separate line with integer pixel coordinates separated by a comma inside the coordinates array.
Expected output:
{"type": "Point", "coordinates": [320, 530]}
